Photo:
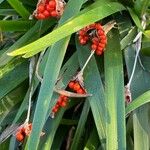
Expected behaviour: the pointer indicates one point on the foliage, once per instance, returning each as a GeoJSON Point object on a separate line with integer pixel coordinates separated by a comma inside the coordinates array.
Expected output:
{"type": "Point", "coordinates": [51, 47]}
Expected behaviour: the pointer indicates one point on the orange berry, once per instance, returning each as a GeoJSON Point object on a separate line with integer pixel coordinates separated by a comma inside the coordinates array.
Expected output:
{"type": "Point", "coordinates": [94, 47]}
{"type": "Point", "coordinates": [54, 13]}
{"type": "Point", "coordinates": [82, 41]}
{"type": "Point", "coordinates": [46, 13]}
{"type": "Point", "coordinates": [99, 48]}
{"type": "Point", "coordinates": [76, 86]}
{"type": "Point", "coordinates": [80, 91]}
{"type": "Point", "coordinates": [102, 45]}
{"type": "Point", "coordinates": [65, 98]}
{"type": "Point", "coordinates": [98, 26]}
{"type": "Point", "coordinates": [19, 136]}
{"type": "Point", "coordinates": [63, 104]}
{"type": "Point", "coordinates": [95, 40]}
{"type": "Point", "coordinates": [81, 32]}
{"type": "Point", "coordinates": [104, 41]}
{"type": "Point", "coordinates": [40, 16]}
{"type": "Point", "coordinates": [100, 32]}
{"type": "Point", "coordinates": [40, 8]}
{"type": "Point", "coordinates": [49, 8]}
{"type": "Point", "coordinates": [52, 4]}
{"type": "Point", "coordinates": [71, 84]}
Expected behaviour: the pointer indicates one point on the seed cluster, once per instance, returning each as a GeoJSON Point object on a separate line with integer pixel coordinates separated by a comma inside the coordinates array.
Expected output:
{"type": "Point", "coordinates": [46, 10]}
{"type": "Point", "coordinates": [76, 87]}
{"type": "Point", "coordinates": [63, 100]}
{"type": "Point", "coordinates": [96, 36]}
{"type": "Point", "coordinates": [23, 131]}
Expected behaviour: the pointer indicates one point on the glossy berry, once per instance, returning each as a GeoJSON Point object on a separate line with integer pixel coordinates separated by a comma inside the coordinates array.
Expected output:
{"type": "Point", "coordinates": [40, 16]}
{"type": "Point", "coordinates": [76, 86]}
{"type": "Point", "coordinates": [41, 8]}
{"type": "Point", "coordinates": [54, 13]}
{"type": "Point", "coordinates": [52, 4]}
{"type": "Point", "coordinates": [19, 136]}
{"type": "Point", "coordinates": [71, 84]}
{"type": "Point", "coordinates": [63, 104]}
{"type": "Point", "coordinates": [46, 13]}
{"type": "Point", "coordinates": [80, 91]}
{"type": "Point", "coordinates": [93, 46]}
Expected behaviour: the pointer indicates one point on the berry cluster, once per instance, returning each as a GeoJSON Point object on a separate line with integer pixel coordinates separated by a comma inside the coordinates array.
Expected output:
{"type": "Point", "coordinates": [23, 131]}
{"type": "Point", "coordinates": [46, 10]}
{"type": "Point", "coordinates": [61, 102]}
{"type": "Point", "coordinates": [76, 87]}
{"type": "Point", "coordinates": [96, 35]}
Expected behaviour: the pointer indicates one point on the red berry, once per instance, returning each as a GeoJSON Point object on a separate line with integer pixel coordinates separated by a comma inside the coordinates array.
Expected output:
{"type": "Point", "coordinates": [52, 4]}
{"type": "Point", "coordinates": [40, 8]}
{"type": "Point", "coordinates": [104, 41]}
{"type": "Point", "coordinates": [82, 41]}
{"type": "Point", "coordinates": [71, 84]}
{"type": "Point", "coordinates": [59, 101]}
{"type": "Point", "coordinates": [99, 48]}
{"type": "Point", "coordinates": [102, 45]}
{"type": "Point", "coordinates": [94, 47]}
{"type": "Point", "coordinates": [100, 32]}
{"type": "Point", "coordinates": [54, 13]}
{"type": "Point", "coordinates": [80, 91]}
{"type": "Point", "coordinates": [49, 8]}
{"type": "Point", "coordinates": [99, 52]}
{"type": "Point", "coordinates": [81, 32]}
{"type": "Point", "coordinates": [19, 136]}
{"type": "Point", "coordinates": [76, 86]}
{"type": "Point", "coordinates": [40, 16]}
{"type": "Point", "coordinates": [98, 26]}
{"type": "Point", "coordinates": [63, 104]}
{"type": "Point", "coordinates": [95, 40]}
{"type": "Point", "coordinates": [65, 98]}
{"type": "Point", "coordinates": [46, 13]}
{"type": "Point", "coordinates": [103, 37]}
{"type": "Point", "coordinates": [86, 38]}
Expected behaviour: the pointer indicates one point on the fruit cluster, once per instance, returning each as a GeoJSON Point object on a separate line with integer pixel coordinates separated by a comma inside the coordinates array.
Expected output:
{"type": "Point", "coordinates": [96, 35]}
{"type": "Point", "coordinates": [23, 131]}
{"type": "Point", "coordinates": [76, 87]}
{"type": "Point", "coordinates": [63, 100]}
{"type": "Point", "coordinates": [46, 10]}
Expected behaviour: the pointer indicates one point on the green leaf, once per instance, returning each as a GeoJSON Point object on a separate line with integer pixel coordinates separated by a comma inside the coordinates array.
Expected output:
{"type": "Point", "coordinates": [20, 71]}
{"type": "Point", "coordinates": [70, 27]}
{"type": "Point", "coordinates": [141, 6]}
{"type": "Point", "coordinates": [94, 86]}
{"type": "Point", "coordinates": [16, 25]}
{"type": "Point", "coordinates": [80, 127]}
{"type": "Point", "coordinates": [17, 5]}
{"type": "Point", "coordinates": [141, 100]}
{"type": "Point", "coordinates": [135, 19]}
{"type": "Point", "coordinates": [5, 12]}
{"type": "Point", "coordinates": [55, 60]}
{"type": "Point", "coordinates": [93, 141]}
{"type": "Point", "coordinates": [9, 101]}
{"type": "Point", "coordinates": [114, 94]}
{"type": "Point", "coordinates": [39, 28]}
